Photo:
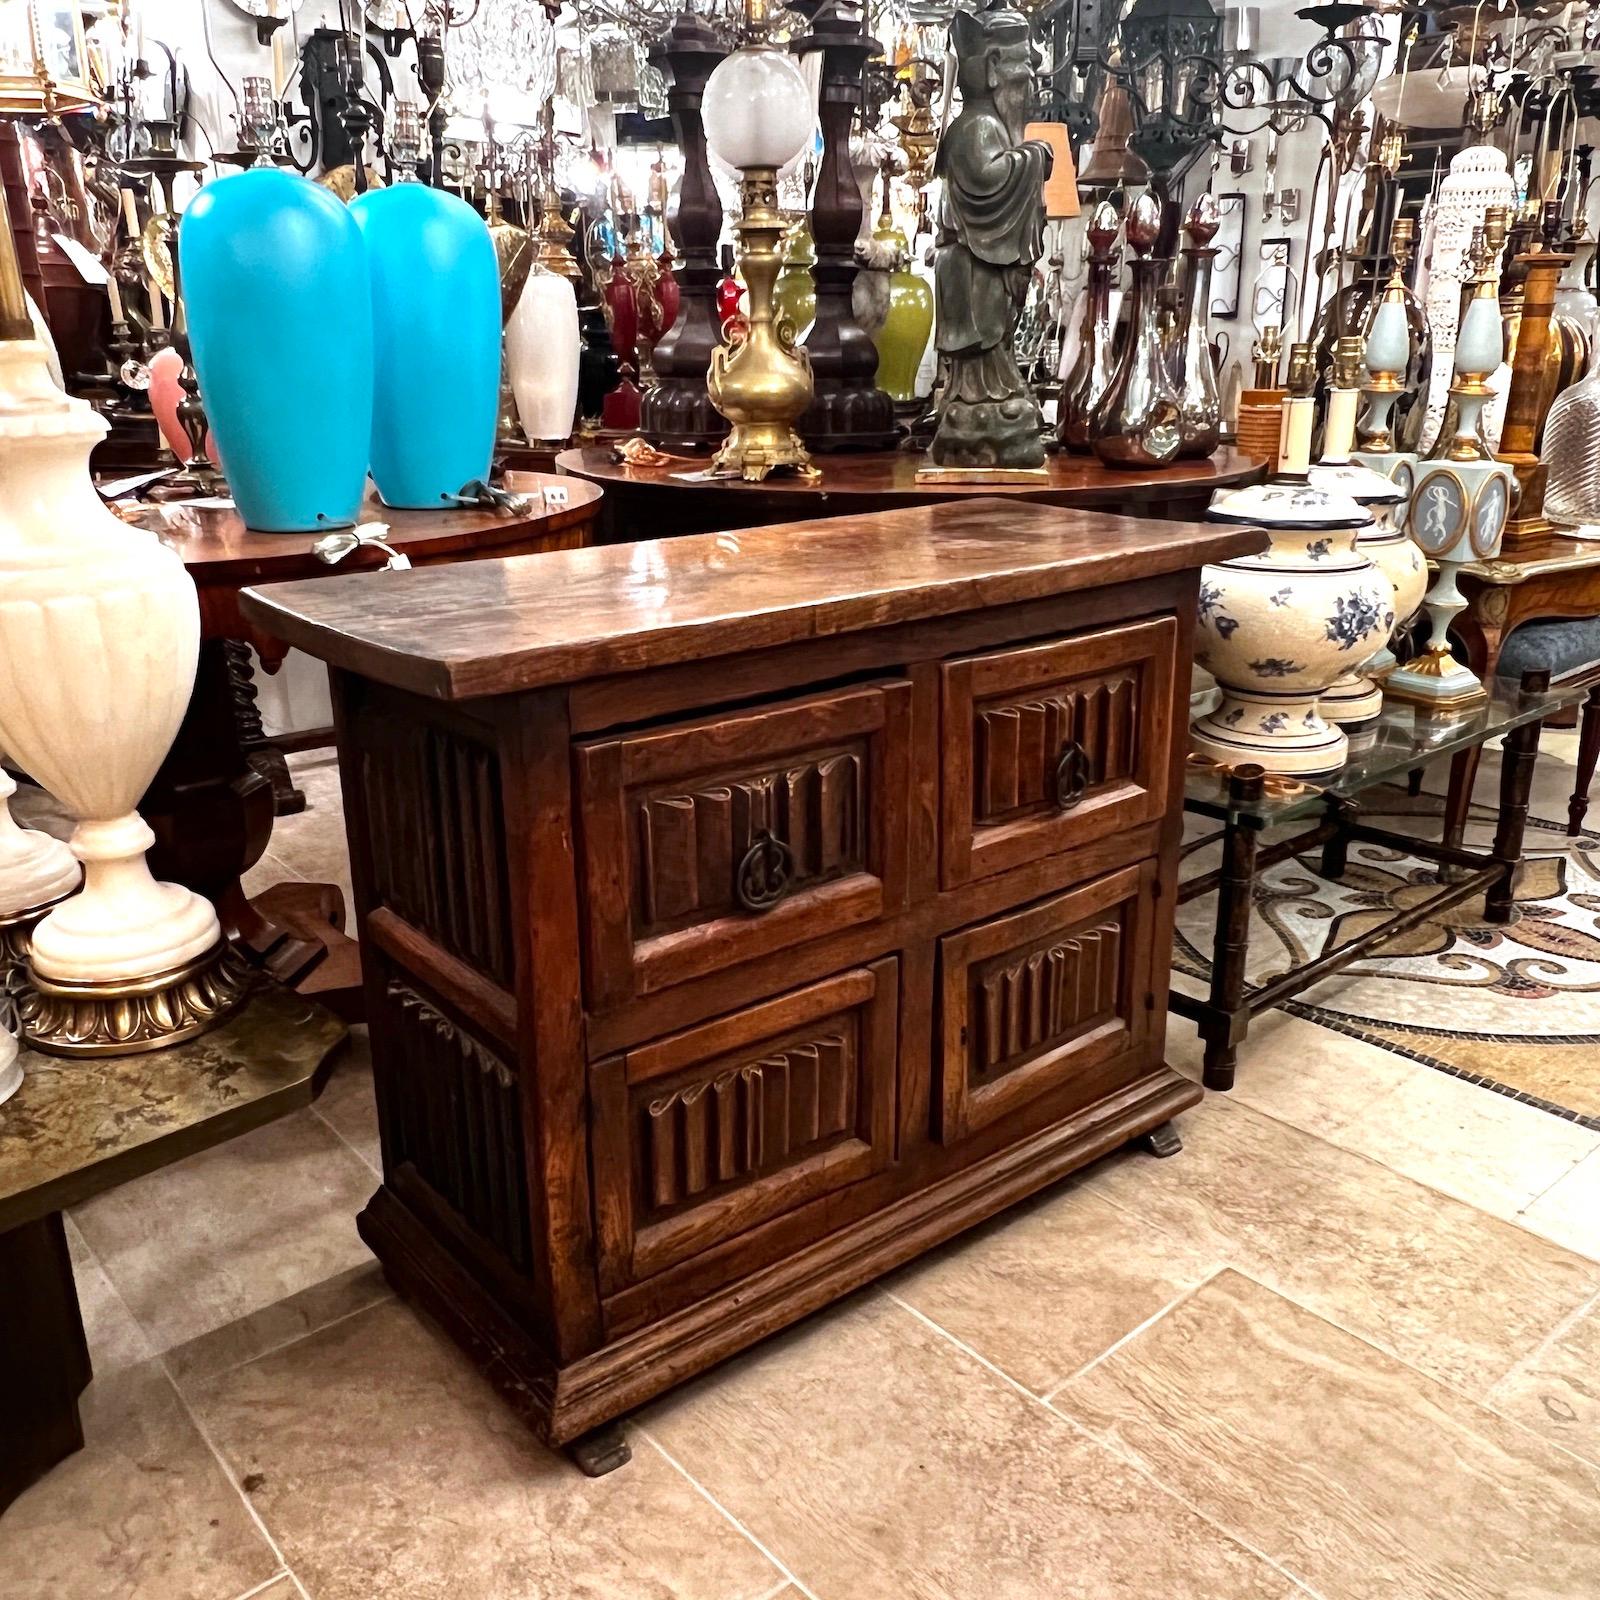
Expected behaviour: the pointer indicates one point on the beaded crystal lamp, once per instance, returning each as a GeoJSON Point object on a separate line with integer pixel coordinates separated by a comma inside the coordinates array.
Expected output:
{"type": "Point", "coordinates": [1459, 506]}
{"type": "Point", "coordinates": [99, 636]}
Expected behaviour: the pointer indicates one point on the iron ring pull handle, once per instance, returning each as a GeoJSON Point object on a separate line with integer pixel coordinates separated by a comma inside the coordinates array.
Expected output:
{"type": "Point", "coordinates": [765, 875]}
{"type": "Point", "coordinates": [1071, 776]}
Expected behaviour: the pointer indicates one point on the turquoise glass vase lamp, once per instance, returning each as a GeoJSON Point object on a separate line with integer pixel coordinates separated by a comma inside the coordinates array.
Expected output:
{"type": "Point", "coordinates": [436, 342]}
{"type": "Point", "coordinates": [276, 291]}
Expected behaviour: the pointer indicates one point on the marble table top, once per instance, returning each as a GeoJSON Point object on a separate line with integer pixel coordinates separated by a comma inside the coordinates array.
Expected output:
{"type": "Point", "coordinates": [77, 1127]}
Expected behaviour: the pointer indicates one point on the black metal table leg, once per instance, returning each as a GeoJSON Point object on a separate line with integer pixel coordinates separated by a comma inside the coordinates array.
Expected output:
{"type": "Point", "coordinates": [1516, 785]}
{"type": "Point", "coordinates": [1336, 851]}
{"type": "Point", "coordinates": [1224, 1027]}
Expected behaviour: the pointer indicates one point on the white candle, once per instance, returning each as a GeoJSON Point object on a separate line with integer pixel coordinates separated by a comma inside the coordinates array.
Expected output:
{"type": "Point", "coordinates": [115, 295]}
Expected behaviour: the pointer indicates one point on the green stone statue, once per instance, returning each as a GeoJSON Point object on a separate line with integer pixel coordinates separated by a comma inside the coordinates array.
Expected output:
{"type": "Point", "coordinates": [991, 231]}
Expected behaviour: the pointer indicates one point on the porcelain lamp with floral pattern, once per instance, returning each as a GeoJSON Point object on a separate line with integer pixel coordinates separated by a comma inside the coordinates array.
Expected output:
{"type": "Point", "coordinates": [1278, 628]}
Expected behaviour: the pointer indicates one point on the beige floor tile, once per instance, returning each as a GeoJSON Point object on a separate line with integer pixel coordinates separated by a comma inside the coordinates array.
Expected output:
{"type": "Point", "coordinates": [1458, 1293]}
{"type": "Point", "coordinates": [209, 1240]}
{"type": "Point", "coordinates": [143, 1512]}
{"type": "Point", "coordinates": [115, 1339]}
{"type": "Point", "coordinates": [283, 1588]}
{"type": "Point", "coordinates": [1044, 1289]}
{"type": "Point", "coordinates": [1569, 1210]}
{"type": "Point", "coordinates": [385, 1467]}
{"type": "Point", "coordinates": [347, 1105]}
{"type": "Point", "coordinates": [311, 844]}
{"type": "Point", "coordinates": [1556, 1391]}
{"type": "Point", "coordinates": [269, 870]}
{"type": "Point", "coordinates": [1485, 1148]}
{"type": "Point", "coordinates": [1298, 1071]}
{"type": "Point", "coordinates": [877, 1460]}
{"type": "Point", "coordinates": [277, 1325]}
{"type": "Point", "coordinates": [1362, 1477]}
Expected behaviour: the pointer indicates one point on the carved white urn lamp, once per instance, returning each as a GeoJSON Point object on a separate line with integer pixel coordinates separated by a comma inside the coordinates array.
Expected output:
{"type": "Point", "coordinates": [1459, 506]}
{"type": "Point", "coordinates": [99, 636]}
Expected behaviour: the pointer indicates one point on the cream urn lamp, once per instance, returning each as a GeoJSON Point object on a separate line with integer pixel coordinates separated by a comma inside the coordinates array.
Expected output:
{"type": "Point", "coordinates": [99, 636]}
{"type": "Point", "coordinates": [759, 116]}
{"type": "Point", "coordinates": [1354, 698]}
{"type": "Point", "coordinates": [1387, 357]}
{"type": "Point", "coordinates": [1459, 506]}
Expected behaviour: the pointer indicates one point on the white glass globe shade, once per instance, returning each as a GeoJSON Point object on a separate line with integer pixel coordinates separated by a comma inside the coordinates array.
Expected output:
{"type": "Point", "coordinates": [757, 109]}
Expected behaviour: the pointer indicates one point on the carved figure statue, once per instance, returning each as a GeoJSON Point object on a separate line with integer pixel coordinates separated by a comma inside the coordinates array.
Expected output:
{"type": "Point", "coordinates": [991, 232]}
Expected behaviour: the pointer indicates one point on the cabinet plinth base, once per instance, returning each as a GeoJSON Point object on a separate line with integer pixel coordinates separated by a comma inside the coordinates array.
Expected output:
{"type": "Point", "coordinates": [563, 1402]}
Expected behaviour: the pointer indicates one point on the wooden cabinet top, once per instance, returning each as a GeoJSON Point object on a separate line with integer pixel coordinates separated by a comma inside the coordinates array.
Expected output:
{"type": "Point", "coordinates": [500, 626]}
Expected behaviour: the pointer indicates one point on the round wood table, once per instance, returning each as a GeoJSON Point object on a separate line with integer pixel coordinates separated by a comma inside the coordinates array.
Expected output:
{"type": "Point", "coordinates": [213, 802]}
{"type": "Point", "coordinates": [659, 502]}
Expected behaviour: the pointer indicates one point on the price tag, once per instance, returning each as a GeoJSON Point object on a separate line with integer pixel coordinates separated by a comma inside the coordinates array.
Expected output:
{"type": "Point", "coordinates": [90, 267]}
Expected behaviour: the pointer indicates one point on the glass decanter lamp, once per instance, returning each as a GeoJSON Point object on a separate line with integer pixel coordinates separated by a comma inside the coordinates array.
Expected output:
{"type": "Point", "coordinates": [1572, 448]}
{"type": "Point", "coordinates": [1459, 506]}
{"type": "Point", "coordinates": [758, 117]}
{"type": "Point", "coordinates": [1136, 423]}
{"type": "Point", "coordinates": [1194, 373]}
{"type": "Point", "coordinates": [1097, 345]}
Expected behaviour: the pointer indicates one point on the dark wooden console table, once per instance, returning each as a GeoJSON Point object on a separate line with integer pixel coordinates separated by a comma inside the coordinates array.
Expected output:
{"type": "Point", "coordinates": [1247, 803]}
{"type": "Point", "coordinates": [667, 859]}
{"type": "Point", "coordinates": [657, 503]}
{"type": "Point", "coordinates": [213, 803]}
{"type": "Point", "coordinates": [75, 1128]}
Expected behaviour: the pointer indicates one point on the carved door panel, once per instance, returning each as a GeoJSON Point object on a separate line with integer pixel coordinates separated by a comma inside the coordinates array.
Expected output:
{"type": "Point", "coordinates": [1048, 746]}
{"type": "Point", "coordinates": [721, 840]}
{"type": "Point", "coordinates": [707, 1133]}
{"type": "Point", "coordinates": [1039, 997]}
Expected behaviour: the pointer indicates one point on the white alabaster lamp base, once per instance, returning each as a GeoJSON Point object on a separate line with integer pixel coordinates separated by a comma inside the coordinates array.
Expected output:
{"type": "Point", "coordinates": [124, 924]}
{"type": "Point", "coordinates": [99, 638]}
{"type": "Point", "coordinates": [35, 869]}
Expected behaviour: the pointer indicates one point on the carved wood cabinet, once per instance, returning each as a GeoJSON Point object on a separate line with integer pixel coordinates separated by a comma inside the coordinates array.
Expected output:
{"type": "Point", "coordinates": [743, 914]}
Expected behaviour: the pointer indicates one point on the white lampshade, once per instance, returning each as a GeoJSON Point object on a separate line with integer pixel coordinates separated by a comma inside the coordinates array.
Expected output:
{"type": "Point", "coordinates": [1389, 340]}
{"type": "Point", "coordinates": [542, 356]}
{"type": "Point", "coordinates": [757, 109]}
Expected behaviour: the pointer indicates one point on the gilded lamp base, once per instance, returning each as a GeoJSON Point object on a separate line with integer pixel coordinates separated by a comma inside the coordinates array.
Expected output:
{"type": "Point", "coordinates": [959, 475]}
{"type": "Point", "coordinates": [755, 449]}
{"type": "Point", "coordinates": [134, 1014]}
{"type": "Point", "coordinates": [1435, 678]}
{"type": "Point", "coordinates": [16, 936]}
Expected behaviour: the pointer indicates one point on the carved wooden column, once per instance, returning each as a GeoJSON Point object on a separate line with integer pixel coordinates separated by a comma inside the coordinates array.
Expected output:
{"type": "Point", "coordinates": [849, 412]}
{"type": "Point", "coordinates": [1528, 401]}
{"type": "Point", "coordinates": [677, 414]}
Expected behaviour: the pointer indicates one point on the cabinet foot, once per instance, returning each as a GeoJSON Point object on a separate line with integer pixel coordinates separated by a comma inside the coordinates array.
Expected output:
{"type": "Point", "coordinates": [1163, 1141]}
{"type": "Point", "coordinates": [601, 1450]}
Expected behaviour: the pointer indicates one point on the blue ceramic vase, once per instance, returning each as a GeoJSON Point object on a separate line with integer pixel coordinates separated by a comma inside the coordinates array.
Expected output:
{"type": "Point", "coordinates": [276, 292]}
{"type": "Point", "coordinates": [436, 342]}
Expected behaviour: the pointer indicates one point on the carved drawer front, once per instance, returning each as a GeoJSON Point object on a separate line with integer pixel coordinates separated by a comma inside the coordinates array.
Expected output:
{"type": "Point", "coordinates": [708, 1133]}
{"type": "Point", "coordinates": [717, 841]}
{"type": "Point", "coordinates": [1041, 996]}
{"type": "Point", "coordinates": [1048, 746]}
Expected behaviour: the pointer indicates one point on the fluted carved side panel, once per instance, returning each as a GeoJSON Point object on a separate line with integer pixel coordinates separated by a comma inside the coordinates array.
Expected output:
{"type": "Point", "coordinates": [691, 841]}
{"type": "Point", "coordinates": [1019, 742]}
{"type": "Point", "coordinates": [433, 799]}
{"type": "Point", "coordinates": [1023, 1004]}
{"type": "Point", "coordinates": [749, 1119]}
{"type": "Point", "coordinates": [453, 1110]}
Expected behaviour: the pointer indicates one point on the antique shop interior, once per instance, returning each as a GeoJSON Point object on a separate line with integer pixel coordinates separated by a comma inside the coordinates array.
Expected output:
{"type": "Point", "coordinates": [795, 800]}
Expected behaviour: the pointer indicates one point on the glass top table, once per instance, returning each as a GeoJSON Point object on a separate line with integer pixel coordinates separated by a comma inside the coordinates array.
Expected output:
{"type": "Point", "coordinates": [1403, 738]}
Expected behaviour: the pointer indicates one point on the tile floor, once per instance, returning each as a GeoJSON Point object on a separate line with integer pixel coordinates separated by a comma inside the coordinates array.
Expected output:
{"type": "Point", "coordinates": [1346, 1344]}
